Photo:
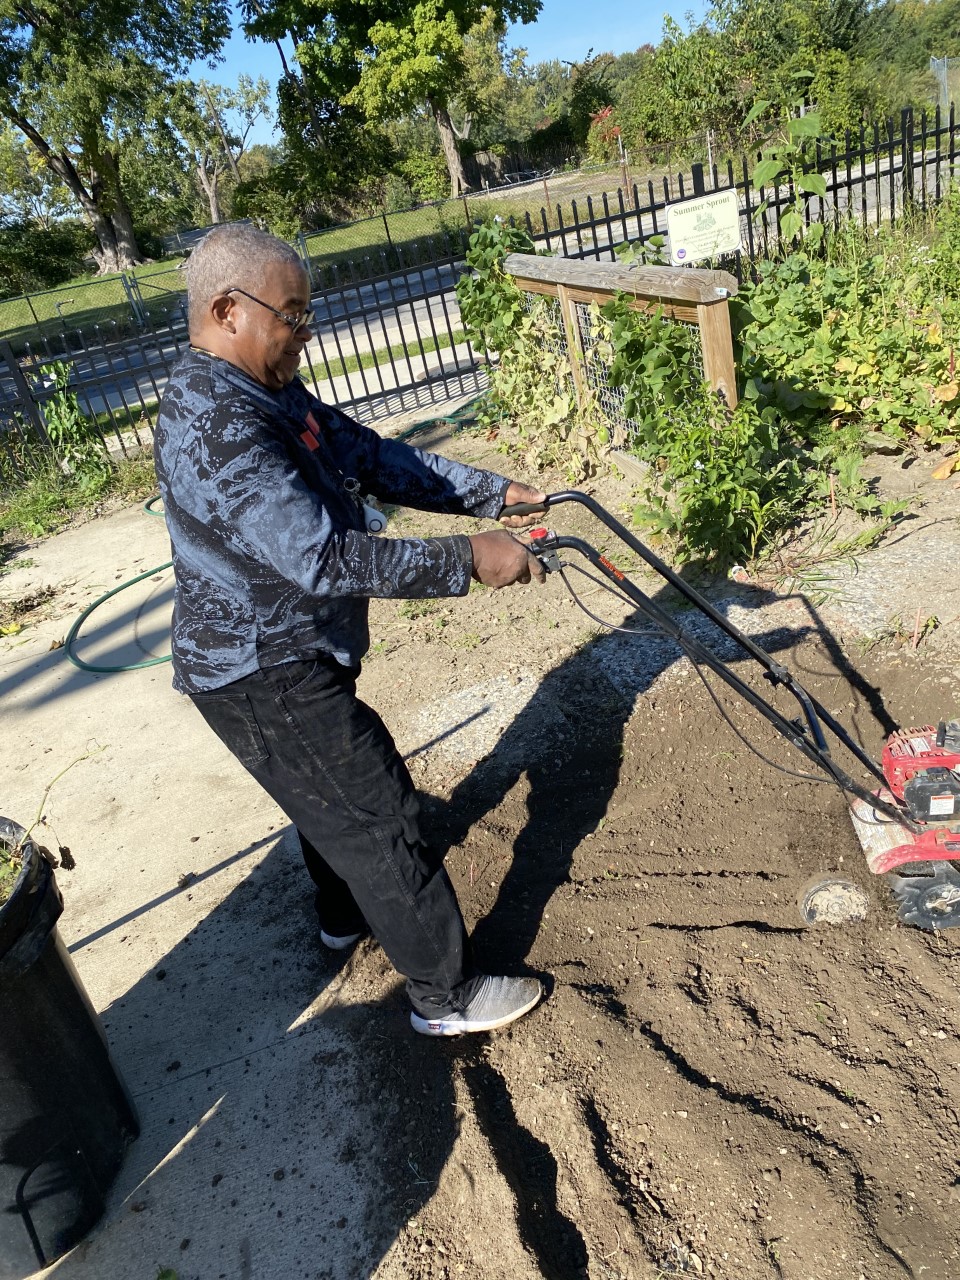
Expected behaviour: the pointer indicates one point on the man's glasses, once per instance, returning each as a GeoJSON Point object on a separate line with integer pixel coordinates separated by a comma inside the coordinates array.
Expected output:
{"type": "Point", "coordinates": [301, 321]}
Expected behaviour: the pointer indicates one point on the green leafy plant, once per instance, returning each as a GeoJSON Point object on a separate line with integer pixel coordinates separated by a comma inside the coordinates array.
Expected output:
{"type": "Point", "coordinates": [718, 482]}
{"type": "Point", "coordinates": [791, 157]}
{"type": "Point", "coordinates": [532, 401]}
{"type": "Point", "coordinates": [72, 434]}
{"type": "Point", "coordinates": [850, 344]}
{"type": "Point", "coordinates": [491, 304]}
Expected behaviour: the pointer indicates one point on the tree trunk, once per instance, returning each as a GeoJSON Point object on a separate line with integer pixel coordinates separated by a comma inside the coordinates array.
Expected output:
{"type": "Point", "coordinates": [458, 179]}
{"type": "Point", "coordinates": [103, 203]}
{"type": "Point", "coordinates": [209, 185]}
{"type": "Point", "coordinates": [128, 251]}
{"type": "Point", "coordinates": [222, 134]}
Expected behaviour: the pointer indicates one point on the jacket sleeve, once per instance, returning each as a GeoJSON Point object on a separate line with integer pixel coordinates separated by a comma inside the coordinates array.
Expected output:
{"type": "Point", "coordinates": [251, 496]}
{"type": "Point", "coordinates": [397, 472]}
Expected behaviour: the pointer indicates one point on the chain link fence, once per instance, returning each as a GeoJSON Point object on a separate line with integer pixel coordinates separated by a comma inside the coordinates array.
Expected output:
{"type": "Point", "coordinates": [946, 72]}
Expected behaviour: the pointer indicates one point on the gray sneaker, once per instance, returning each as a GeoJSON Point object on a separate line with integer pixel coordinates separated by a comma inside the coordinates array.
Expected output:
{"type": "Point", "coordinates": [496, 1002]}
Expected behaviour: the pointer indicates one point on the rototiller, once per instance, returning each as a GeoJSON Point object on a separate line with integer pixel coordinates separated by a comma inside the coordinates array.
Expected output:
{"type": "Point", "coordinates": [912, 818]}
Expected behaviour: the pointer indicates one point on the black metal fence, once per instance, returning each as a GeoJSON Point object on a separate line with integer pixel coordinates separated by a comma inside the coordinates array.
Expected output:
{"type": "Point", "coordinates": [388, 331]}
{"type": "Point", "coordinates": [873, 177]}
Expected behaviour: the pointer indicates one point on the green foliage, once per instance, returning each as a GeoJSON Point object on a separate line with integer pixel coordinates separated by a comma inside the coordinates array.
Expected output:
{"type": "Point", "coordinates": [719, 483]}
{"type": "Point", "coordinates": [852, 344]}
{"type": "Point", "coordinates": [490, 302]}
{"type": "Point", "coordinates": [43, 497]}
{"type": "Point", "coordinates": [33, 258]}
{"type": "Point", "coordinates": [274, 200]}
{"type": "Point", "coordinates": [72, 434]}
{"type": "Point", "coordinates": [532, 397]}
{"type": "Point", "coordinates": [29, 192]}
{"type": "Point", "coordinates": [590, 93]}
{"type": "Point", "coordinates": [791, 158]}
{"type": "Point", "coordinates": [77, 83]}
{"type": "Point", "coordinates": [426, 173]}
{"type": "Point", "coordinates": [531, 387]}
{"type": "Point", "coordinates": [841, 349]}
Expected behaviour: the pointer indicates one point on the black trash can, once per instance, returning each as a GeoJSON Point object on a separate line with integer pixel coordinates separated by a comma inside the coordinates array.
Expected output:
{"type": "Point", "coordinates": [65, 1115]}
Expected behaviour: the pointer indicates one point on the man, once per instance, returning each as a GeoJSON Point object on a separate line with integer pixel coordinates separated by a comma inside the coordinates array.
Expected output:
{"type": "Point", "coordinates": [274, 568]}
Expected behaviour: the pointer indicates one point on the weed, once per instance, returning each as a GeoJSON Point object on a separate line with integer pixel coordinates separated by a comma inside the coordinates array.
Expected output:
{"type": "Point", "coordinates": [50, 497]}
{"type": "Point", "coordinates": [466, 640]}
{"type": "Point", "coordinates": [419, 608]}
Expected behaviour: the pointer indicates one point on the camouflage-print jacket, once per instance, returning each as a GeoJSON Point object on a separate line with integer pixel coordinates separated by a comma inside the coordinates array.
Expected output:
{"type": "Point", "coordinates": [270, 552]}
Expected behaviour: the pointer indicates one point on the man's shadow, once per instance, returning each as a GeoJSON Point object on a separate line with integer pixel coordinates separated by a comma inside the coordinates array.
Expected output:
{"type": "Point", "coordinates": [288, 1125]}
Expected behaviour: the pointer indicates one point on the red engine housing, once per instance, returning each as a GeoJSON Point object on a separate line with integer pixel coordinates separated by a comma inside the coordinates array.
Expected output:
{"type": "Point", "coordinates": [911, 751]}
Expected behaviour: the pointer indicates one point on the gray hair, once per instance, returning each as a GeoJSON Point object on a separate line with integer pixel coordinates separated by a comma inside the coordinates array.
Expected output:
{"type": "Point", "coordinates": [235, 255]}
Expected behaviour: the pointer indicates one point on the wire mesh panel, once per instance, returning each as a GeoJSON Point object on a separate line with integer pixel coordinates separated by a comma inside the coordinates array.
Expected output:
{"type": "Point", "coordinates": [594, 338]}
{"type": "Point", "coordinates": [946, 71]}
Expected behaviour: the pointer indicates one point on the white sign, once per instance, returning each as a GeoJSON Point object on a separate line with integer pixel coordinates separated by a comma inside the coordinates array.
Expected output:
{"type": "Point", "coordinates": [704, 227]}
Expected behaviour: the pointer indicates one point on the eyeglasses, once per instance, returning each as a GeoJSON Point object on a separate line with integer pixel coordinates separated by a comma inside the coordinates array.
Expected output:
{"type": "Point", "coordinates": [301, 321]}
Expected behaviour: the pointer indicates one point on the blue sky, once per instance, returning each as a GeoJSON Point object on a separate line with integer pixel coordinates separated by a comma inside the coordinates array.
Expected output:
{"type": "Point", "coordinates": [564, 29]}
{"type": "Point", "coordinates": [560, 32]}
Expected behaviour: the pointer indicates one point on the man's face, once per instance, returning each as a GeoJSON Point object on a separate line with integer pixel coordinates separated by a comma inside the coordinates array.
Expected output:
{"type": "Point", "coordinates": [261, 343]}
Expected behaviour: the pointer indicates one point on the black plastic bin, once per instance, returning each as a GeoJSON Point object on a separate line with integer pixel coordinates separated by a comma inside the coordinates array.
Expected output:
{"type": "Point", "coordinates": [65, 1115]}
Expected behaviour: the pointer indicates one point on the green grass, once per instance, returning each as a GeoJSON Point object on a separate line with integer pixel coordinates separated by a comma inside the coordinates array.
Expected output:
{"type": "Point", "coordinates": [370, 247]}
{"type": "Point", "coordinates": [85, 302]}
{"type": "Point", "coordinates": [323, 372]}
{"type": "Point", "coordinates": [49, 499]}
{"type": "Point", "coordinates": [403, 230]}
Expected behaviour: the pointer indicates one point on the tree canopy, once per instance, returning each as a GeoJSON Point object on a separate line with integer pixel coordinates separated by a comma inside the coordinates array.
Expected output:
{"type": "Point", "coordinates": [77, 80]}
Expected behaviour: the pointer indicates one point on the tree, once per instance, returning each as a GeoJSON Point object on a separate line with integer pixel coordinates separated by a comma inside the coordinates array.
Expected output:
{"type": "Point", "coordinates": [29, 191]}
{"type": "Point", "coordinates": [75, 80]}
{"type": "Point", "coordinates": [214, 124]}
{"type": "Point", "coordinates": [330, 152]}
{"type": "Point", "coordinates": [422, 55]}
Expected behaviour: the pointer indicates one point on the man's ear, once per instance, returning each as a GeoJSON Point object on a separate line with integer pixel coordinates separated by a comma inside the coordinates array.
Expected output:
{"type": "Point", "coordinates": [222, 313]}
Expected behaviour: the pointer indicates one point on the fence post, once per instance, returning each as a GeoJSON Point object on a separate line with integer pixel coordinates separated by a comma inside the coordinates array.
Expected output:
{"type": "Point", "coordinates": [137, 309]}
{"type": "Point", "coordinates": [716, 338]}
{"type": "Point", "coordinates": [696, 177]}
{"type": "Point", "coordinates": [906, 152]}
{"type": "Point", "coordinates": [305, 255]}
{"type": "Point", "coordinates": [386, 227]}
{"type": "Point", "coordinates": [26, 401]}
{"type": "Point", "coordinates": [574, 346]}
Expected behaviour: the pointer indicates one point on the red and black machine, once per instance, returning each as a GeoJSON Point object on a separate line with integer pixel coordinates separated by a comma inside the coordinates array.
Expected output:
{"type": "Point", "coordinates": [911, 819]}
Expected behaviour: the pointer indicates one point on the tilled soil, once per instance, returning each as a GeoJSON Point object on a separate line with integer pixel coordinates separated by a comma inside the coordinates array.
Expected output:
{"type": "Point", "coordinates": [712, 1087]}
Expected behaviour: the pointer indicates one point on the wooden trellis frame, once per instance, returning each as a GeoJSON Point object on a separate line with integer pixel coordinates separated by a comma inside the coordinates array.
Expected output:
{"type": "Point", "coordinates": [690, 294]}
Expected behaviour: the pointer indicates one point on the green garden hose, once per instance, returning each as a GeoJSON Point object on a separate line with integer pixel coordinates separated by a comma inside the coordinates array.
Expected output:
{"type": "Point", "coordinates": [459, 420]}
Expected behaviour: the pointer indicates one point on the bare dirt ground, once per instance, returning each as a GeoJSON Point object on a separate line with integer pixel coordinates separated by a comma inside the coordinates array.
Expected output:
{"type": "Point", "coordinates": [711, 1087]}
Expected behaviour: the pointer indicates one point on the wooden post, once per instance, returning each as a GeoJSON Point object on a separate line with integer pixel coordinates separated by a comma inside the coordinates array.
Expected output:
{"type": "Point", "coordinates": [716, 339]}
{"type": "Point", "coordinates": [574, 346]}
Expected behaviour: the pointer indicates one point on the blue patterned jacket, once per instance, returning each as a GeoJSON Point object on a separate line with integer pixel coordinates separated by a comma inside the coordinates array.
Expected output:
{"type": "Point", "coordinates": [271, 556]}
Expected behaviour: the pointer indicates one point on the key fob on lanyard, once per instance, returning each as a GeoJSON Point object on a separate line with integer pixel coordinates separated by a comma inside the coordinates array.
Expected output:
{"type": "Point", "coordinates": [374, 521]}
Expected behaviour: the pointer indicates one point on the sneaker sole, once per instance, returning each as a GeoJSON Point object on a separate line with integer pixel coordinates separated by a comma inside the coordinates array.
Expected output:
{"type": "Point", "coordinates": [449, 1027]}
{"type": "Point", "coordinates": [339, 944]}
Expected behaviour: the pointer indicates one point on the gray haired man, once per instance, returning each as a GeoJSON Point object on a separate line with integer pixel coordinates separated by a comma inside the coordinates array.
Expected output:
{"type": "Point", "coordinates": [274, 570]}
